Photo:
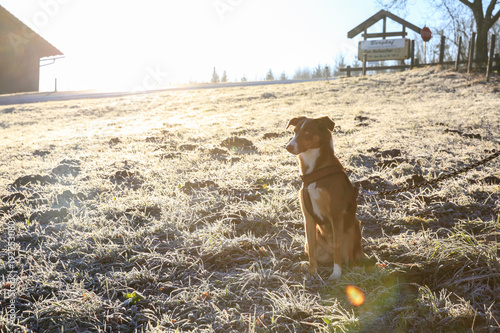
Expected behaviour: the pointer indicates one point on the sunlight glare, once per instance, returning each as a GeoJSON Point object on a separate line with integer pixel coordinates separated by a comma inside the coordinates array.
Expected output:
{"type": "Point", "coordinates": [355, 296]}
{"type": "Point", "coordinates": [140, 55]}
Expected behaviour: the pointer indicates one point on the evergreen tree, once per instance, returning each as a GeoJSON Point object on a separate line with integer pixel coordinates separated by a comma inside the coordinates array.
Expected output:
{"type": "Point", "coordinates": [318, 72]}
{"type": "Point", "coordinates": [215, 77]}
{"type": "Point", "coordinates": [270, 76]}
{"type": "Point", "coordinates": [224, 77]}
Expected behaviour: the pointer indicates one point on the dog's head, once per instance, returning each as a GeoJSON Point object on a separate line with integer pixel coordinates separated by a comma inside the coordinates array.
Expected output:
{"type": "Point", "coordinates": [310, 133]}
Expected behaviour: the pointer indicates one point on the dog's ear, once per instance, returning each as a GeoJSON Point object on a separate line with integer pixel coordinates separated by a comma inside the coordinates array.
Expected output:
{"type": "Point", "coordinates": [295, 121]}
{"type": "Point", "coordinates": [327, 122]}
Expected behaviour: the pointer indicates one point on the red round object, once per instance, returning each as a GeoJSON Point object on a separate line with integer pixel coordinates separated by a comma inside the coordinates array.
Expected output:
{"type": "Point", "coordinates": [426, 34]}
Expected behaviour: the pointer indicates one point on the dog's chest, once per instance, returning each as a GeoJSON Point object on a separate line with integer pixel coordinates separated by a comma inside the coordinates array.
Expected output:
{"type": "Point", "coordinates": [309, 159]}
{"type": "Point", "coordinates": [319, 201]}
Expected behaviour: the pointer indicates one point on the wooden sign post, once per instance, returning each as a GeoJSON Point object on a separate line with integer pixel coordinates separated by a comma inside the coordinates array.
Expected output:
{"type": "Point", "coordinates": [490, 57]}
{"type": "Point", "coordinates": [383, 48]}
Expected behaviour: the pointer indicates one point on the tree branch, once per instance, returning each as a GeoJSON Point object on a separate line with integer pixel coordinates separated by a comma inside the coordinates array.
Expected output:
{"type": "Point", "coordinates": [490, 9]}
{"type": "Point", "coordinates": [467, 3]}
{"type": "Point", "coordinates": [393, 4]}
{"type": "Point", "coordinates": [495, 17]}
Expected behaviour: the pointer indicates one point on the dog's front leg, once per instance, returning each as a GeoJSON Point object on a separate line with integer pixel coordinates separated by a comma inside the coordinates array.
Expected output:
{"type": "Point", "coordinates": [310, 226]}
{"type": "Point", "coordinates": [338, 234]}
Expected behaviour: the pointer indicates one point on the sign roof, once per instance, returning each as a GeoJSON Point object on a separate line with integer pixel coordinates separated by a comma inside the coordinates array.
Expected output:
{"type": "Point", "coordinates": [377, 17]}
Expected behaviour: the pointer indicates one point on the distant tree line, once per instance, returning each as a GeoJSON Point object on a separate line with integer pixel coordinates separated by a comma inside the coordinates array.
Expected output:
{"type": "Point", "coordinates": [301, 73]}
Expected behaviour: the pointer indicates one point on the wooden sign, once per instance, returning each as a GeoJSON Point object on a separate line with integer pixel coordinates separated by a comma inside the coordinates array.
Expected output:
{"type": "Point", "coordinates": [384, 49]}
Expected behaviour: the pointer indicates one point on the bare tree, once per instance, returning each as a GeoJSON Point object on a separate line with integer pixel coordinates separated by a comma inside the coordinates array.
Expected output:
{"type": "Point", "coordinates": [339, 63]}
{"type": "Point", "coordinates": [484, 21]}
{"type": "Point", "coordinates": [485, 14]}
{"type": "Point", "coordinates": [302, 74]}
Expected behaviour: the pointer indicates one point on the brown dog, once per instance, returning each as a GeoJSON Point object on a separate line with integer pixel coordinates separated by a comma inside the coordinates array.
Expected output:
{"type": "Point", "coordinates": [327, 198]}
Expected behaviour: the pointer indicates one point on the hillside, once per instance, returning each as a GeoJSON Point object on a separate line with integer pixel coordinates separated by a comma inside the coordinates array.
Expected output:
{"type": "Point", "coordinates": [179, 210]}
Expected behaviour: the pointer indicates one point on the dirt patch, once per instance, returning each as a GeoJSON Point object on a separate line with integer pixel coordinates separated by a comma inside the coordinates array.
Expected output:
{"type": "Point", "coordinates": [268, 95]}
{"type": "Point", "coordinates": [389, 153]}
{"type": "Point", "coordinates": [415, 179]}
{"type": "Point", "coordinates": [190, 187]}
{"type": "Point", "coordinates": [217, 151]}
{"type": "Point", "coordinates": [127, 178]}
{"type": "Point", "coordinates": [52, 215]}
{"type": "Point", "coordinates": [363, 121]}
{"type": "Point", "coordinates": [41, 153]}
{"type": "Point", "coordinates": [238, 144]}
{"type": "Point", "coordinates": [67, 167]}
{"type": "Point", "coordinates": [274, 135]}
{"type": "Point", "coordinates": [34, 180]}
{"type": "Point", "coordinates": [188, 147]}
{"type": "Point", "coordinates": [11, 198]}
{"type": "Point", "coordinates": [465, 135]}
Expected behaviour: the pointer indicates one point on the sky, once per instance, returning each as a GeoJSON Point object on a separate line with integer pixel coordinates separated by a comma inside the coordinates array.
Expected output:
{"type": "Point", "coordinates": [143, 45]}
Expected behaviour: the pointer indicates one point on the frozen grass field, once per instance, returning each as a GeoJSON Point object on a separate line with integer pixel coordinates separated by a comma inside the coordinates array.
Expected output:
{"type": "Point", "coordinates": [178, 211]}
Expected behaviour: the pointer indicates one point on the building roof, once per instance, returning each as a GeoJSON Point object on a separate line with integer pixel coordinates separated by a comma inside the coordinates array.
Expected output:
{"type": "Point", "coordinates": [377, 17]}
{"type": "Point", "coordinates": [15, 37]}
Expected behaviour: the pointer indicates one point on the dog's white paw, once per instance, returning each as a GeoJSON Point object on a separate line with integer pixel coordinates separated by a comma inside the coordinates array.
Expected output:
{"type": "Point", "coordinates": [337, 272]}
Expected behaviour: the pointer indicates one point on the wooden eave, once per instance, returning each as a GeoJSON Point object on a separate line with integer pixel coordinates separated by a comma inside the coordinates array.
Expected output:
{"type": "Point", "coordinates": [11, 24]}
{"type": "Point", "coordinates": [377, 17]}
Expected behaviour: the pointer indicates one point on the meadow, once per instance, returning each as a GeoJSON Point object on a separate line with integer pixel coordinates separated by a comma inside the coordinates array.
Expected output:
{"type": "Point", "coordinates": [178, 211]}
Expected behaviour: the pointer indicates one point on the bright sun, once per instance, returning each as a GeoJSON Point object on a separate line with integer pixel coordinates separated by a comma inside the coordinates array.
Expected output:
{"type": "Point", "coordinates": [133, 46]}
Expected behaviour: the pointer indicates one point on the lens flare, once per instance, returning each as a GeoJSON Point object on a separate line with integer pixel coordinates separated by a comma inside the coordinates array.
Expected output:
{"type": "Point", "coordinates": [355, 295]}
